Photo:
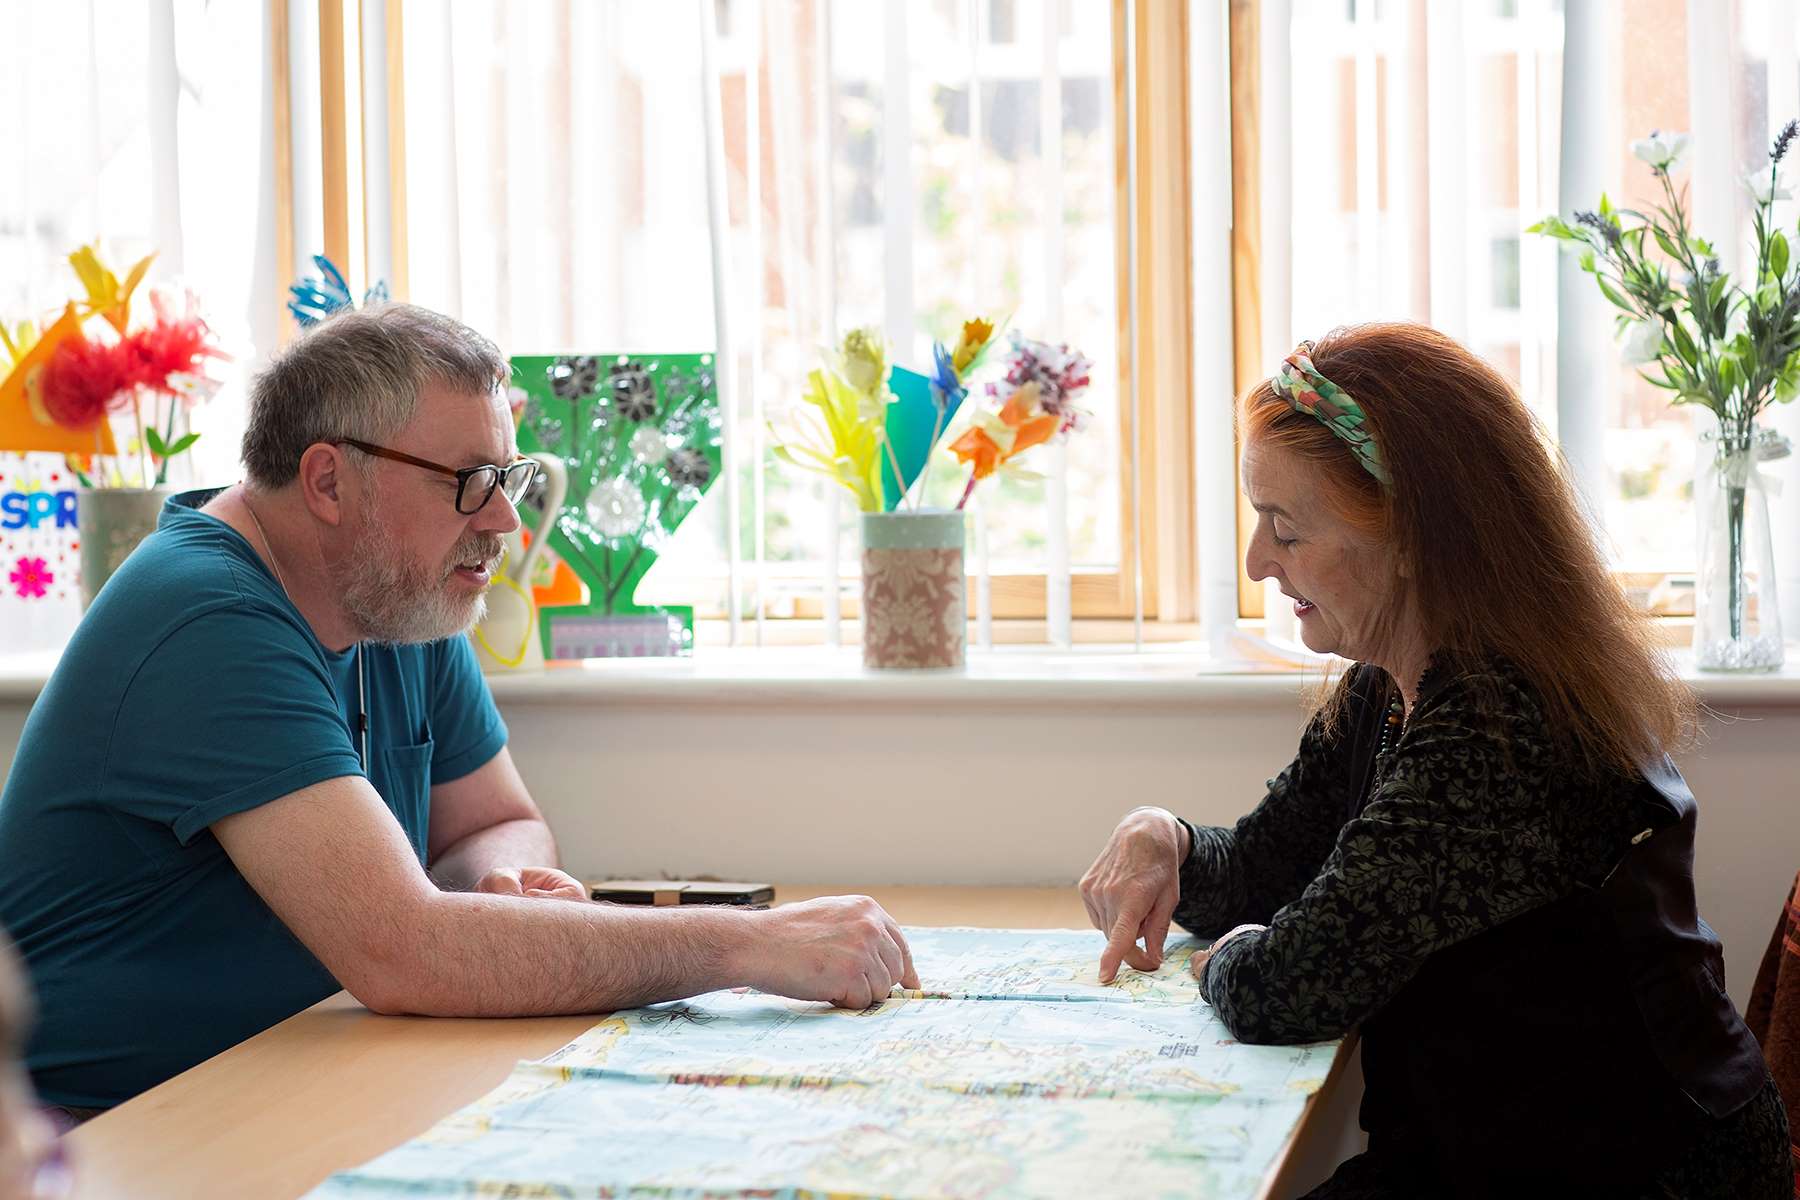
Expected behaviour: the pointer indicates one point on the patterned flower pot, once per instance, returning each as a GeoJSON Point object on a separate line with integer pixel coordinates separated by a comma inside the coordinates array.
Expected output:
{"type": "Point", "coordinates": [912, 589]}
{"type": "Point", "coordinates": [113, 521]}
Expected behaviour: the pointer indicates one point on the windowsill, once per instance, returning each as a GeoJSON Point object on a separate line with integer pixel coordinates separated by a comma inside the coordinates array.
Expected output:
{"type": "Point", "coordinates": [1109, 676]}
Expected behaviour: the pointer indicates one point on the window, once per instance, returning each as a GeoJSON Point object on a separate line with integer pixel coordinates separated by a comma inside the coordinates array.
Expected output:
{"type": "Point", "coordinates": [117, 114]}
{"type": "Point", "coordinates": [556, 197]}
{"type": "Point", "coordinates": [1425, 137]}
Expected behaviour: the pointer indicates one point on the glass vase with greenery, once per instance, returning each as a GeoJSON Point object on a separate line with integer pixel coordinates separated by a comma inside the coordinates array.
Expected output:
{"type": "Point", "coordinates": [1731, 346]}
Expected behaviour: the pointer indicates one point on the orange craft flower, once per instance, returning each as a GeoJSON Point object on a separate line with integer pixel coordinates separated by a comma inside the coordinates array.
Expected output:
{"type": "Point", "coordinates": [1041, 385]}
{"type": "Point", "coordinates": [975, 446]}
{"type": "Point", "coordinates": [993, 440]}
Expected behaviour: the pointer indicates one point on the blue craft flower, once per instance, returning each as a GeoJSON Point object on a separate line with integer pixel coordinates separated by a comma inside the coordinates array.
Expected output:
{"type": "Point", "coordinates": [313, 300]}
{"type": "Point", "coordinates": [947, 390]}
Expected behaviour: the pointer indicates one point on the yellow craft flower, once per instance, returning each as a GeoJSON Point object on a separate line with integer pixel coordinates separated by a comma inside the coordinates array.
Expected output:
{"type": "Point", "coordinates": [18, 342]}
{"type": "Point", "coordinates": [830, 435]}
{"type": "Point", "coordinates": [863, 361]}
{"type": "Point", "coordinates": [975, 335]}
{"type": "Point", "coordinates": [106, 296]}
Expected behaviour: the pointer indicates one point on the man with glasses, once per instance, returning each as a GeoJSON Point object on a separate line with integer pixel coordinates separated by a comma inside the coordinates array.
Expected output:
{"type": "Point", "coordinates": [267, 765]}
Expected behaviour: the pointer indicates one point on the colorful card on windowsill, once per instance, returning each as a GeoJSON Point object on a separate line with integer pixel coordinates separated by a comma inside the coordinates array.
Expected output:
{"type": "Point", "coordinates": [642, 438]}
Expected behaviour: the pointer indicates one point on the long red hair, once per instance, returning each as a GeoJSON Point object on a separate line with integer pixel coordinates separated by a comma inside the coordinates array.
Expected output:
{"type": "Point", "coordinates": [1501, 560]}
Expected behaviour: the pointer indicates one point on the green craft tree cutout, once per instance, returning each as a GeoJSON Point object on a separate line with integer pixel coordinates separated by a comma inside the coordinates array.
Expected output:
{"type": "Point", "coordinates": [641, 438]}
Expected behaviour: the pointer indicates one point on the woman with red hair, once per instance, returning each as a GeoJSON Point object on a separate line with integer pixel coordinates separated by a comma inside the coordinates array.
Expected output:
{"type": "Point", "coordinates": [1482, 856]}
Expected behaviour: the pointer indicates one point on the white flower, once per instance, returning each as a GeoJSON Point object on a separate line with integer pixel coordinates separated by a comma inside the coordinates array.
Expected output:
{"type": "Point", "coordinates": [1662, 150]}
{"type": "Point", "coordinates": [1642, 343]}
{"type": "Point", "coordinates": [615, 508]}
{"type": "Point", "coordinates": [1766, 186]}
{"type": "Point", "coordinates": [649, 445]}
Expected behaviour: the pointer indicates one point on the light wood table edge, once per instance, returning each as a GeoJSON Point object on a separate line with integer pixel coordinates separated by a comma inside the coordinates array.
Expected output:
{"type": "Point", "coordinates": [1279, 1182]}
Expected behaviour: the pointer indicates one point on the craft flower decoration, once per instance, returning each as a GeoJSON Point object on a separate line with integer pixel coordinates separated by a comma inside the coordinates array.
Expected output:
{"type": "Point", "coordinates": [871, 426]}
{"type": "Point", "coordinates": [77, 374]}
{"type": "Point", "coordinates": [862, 361]}
{"type": "Point", "coordinates": [950, 370]}
{"type": "Point", "coordinates": [313, 300]}
{"type": "Point", "coordinates": [839, 431]}
{"type": "Point", "coordinates": [107, 298]}
{"type": "Point", "coordinates": [1037, 404]}
{"type": "Point", "coordinates": [977, 336]}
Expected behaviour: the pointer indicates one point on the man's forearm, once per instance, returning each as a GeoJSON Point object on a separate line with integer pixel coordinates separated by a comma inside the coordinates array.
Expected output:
{"type": "Point", "coordinates": [521, 843]}
{"type": "Point", "coordinates": [474, 955]}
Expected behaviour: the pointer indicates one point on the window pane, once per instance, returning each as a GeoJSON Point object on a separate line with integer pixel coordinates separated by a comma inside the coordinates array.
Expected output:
{"type": "Point", "coordinates": [1649, 446]}
{"type": "Point", "coordinates": [1367, 193]}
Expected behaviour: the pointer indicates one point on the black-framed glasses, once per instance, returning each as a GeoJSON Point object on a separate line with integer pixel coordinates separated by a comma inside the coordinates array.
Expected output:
{"type": "Point", "coordinates": [474, 485]}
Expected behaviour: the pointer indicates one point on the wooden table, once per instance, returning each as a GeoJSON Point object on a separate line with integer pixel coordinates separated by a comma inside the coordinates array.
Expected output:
{"type": "Point", "coordinates": [336, 1085]}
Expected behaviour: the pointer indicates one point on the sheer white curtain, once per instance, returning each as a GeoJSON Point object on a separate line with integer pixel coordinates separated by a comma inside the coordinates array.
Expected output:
{"type": "Point", "coordinates": [143, 126]}
{"type": "Point", "coordinates": [883, 164]}
{"type": "Point", "coordinates": [1424, 137]}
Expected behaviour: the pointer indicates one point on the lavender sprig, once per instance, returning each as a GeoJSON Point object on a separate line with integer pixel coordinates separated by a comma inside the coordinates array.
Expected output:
{"type": "Point", "coordinates": [1783, 140]}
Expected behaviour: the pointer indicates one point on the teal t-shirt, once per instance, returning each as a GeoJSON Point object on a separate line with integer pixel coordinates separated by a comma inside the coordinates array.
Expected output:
{"type": "Point", "coordinates": [193, 690]}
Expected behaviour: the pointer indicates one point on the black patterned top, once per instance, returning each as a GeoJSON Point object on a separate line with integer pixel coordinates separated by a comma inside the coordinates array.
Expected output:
{"type": "Point", "coordinates": [1468, 824]}
{"type": "Point", "coordinates": [1515, 934]}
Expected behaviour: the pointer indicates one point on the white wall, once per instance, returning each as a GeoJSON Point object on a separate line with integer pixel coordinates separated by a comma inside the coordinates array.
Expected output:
{"type": "Point", "coordinates": [1005, 781]}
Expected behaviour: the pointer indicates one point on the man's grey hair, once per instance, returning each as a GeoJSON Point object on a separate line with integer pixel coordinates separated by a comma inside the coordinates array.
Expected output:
{"type": "Point", "coordinates": [359, 375]}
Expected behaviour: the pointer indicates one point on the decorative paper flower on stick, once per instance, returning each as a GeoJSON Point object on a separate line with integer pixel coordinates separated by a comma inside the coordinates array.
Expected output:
{"type": "Point", "coordinates": [314, 299]}
{"type": "Point", "coordinates": [17, 341]}
{"type": "Point", "coordinates": [862, 362]}
{"type": "Point", "coordinates": [1037, 403]}
{"type": "Point", "coordinates": [169, 355]}
{"type": "Point", "coordinates": [923, 408]}
{"type": "Point", "coordinates": [839, 430]}
{"type": "Point", "coordinates": [81, 376]}
{"type": "Point", "coordinates": [107, 298]}
{"type": "Point", "coordinates": [84, 380]}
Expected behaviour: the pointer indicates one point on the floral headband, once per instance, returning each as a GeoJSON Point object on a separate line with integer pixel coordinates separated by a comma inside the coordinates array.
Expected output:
{"type": "Point", "coordinates": [1300, 383]}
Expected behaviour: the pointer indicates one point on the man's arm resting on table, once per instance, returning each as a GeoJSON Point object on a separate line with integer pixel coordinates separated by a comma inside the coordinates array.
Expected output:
{"type": "Point", "coordinates": [333, 864]}
{"type": "Point", "coordinates": [485, 830]}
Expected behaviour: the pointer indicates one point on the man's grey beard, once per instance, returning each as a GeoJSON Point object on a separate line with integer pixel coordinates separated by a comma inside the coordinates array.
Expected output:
{"type": "Point", "coordinates": [390, 598]}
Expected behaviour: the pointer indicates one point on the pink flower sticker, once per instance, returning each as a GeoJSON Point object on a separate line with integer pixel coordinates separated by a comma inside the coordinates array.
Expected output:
{"type": "Point", "coordinates": [30, 577]}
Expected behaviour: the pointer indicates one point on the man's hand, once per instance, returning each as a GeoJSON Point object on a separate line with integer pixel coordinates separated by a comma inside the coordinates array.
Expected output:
{"type": "Point", "coordinates": [1132, 888]}
{"type": "Point", "coordinates": [844, 949]}
{"type": "Point", "coordinates": [545, 882]}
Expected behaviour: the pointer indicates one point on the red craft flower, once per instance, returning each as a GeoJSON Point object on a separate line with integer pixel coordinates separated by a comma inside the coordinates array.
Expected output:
{"type": "Point", "coordinates": [30, 578]}
{"type": "Point", "coordinates": [82, 380]}
{"type": "Point", "coordinates": [173, 344]}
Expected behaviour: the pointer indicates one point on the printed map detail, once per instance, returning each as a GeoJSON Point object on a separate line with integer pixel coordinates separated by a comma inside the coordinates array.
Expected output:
{"type": "Point", "coordinates": [1014, 1074]}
